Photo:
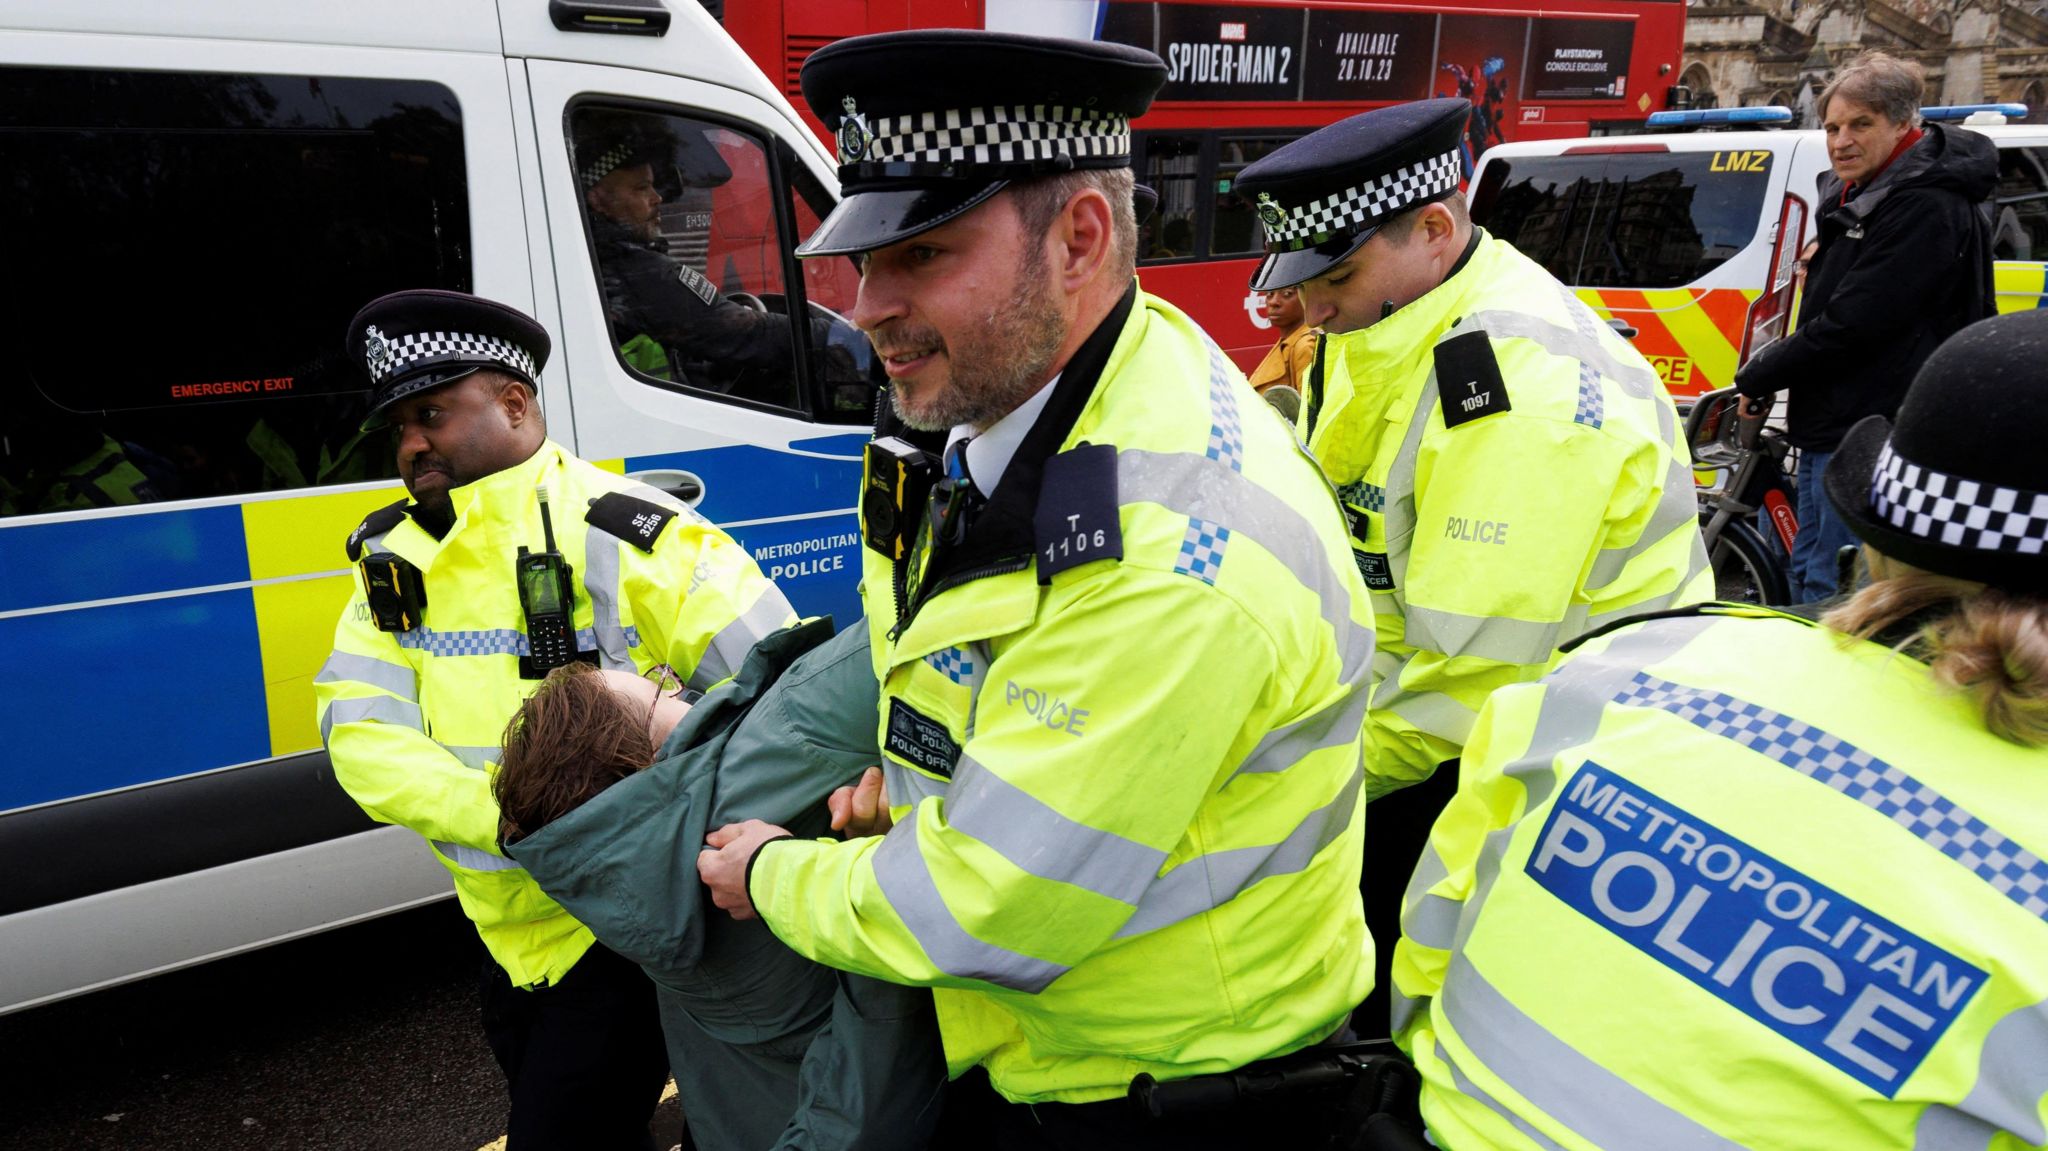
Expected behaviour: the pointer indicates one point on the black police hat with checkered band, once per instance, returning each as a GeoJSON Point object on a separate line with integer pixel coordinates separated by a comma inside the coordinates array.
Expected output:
{"type": "Point", "coordinates": [427, 338]}
{"type": "Point", "coordinates": [1323, 196]}
{"type": "Point", "coordinates": [1959, 486]}
{"type": "Point", "coordinates": [931, 123]}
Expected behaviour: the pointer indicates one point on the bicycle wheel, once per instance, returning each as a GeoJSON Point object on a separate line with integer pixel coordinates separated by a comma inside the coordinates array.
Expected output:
{"type": "Point", "coordinates": [1746, 570]}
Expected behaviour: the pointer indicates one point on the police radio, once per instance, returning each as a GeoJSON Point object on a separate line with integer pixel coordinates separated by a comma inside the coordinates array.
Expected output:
{"type": "Point", "coordinates": [896, 478]}
{"type": "Point", "coordinates": [546, 597]}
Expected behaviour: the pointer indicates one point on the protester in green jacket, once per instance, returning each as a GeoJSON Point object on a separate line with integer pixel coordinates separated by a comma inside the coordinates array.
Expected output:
{"type": "Point", "coordinates": [607, 785]}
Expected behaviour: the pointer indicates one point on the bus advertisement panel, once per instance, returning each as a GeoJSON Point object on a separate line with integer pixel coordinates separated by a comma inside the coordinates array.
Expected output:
{"type": "Point", "coordinates": [1245, 78]}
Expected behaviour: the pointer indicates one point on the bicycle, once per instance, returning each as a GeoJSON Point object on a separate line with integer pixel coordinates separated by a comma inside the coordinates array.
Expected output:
{"type": "Point", "coordinates": [1750, 457]}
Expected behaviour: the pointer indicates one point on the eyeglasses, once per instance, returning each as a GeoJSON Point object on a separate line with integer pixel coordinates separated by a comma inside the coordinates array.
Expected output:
{"type": "Point", "coordinates": [666, 681]}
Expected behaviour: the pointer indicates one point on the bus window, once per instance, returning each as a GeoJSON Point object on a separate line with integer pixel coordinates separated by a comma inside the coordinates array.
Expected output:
{"type": "Point", "coordinates": [1234, 228]}
{"type": "Point", "coordinates": [682, 220]}
{"type": "Point", "coordinates": [2019, 228]}
{"type": "Point", "coordinates": [1171, 166]}
{"type": "Point", "coordinates": [1630, 220]}
{"type": "Point", "coordinates": [186, 249]}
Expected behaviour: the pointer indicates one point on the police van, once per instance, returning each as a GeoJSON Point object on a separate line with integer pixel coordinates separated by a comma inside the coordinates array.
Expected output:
{"type": "Point", "coordinates": [1689, 239]}
{"type": "Point", "coordinates": [194, 199]}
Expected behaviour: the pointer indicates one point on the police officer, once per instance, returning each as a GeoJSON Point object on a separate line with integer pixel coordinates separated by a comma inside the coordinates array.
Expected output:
{"type": "Point", "coordinates": [1124, 642]}
{"type": "Point", "coordinates": [669, 320]}
{"type": "Point", "coordinates": [514, 556]}
{"type": "Point", "coordinates": [1512, 470]}
{"type": "Point", "coordinates": [1730, 878]}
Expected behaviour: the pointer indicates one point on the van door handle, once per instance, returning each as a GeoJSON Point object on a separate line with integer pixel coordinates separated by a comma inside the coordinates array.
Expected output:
{"type": "Point", "coordinates": [685, 486]}
{"type": "Point", "coordinates": [1628, 331]}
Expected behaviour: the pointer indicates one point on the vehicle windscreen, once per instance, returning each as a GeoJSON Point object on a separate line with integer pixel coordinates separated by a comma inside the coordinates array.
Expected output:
{"type": "Point", "coordinates": [1626, 220]}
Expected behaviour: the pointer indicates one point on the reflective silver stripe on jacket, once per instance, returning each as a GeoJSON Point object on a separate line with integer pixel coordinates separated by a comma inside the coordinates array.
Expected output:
{"type": "Point", "coordinates": [908, 787]}
{"type": "Point", "coordinates": [478, 758]}
{"type": "Point", "coordinates": [347, 667]}
{"type": "Point", "coordinates": [1636, 379]}
{"type": "Point", "coordinates": [380, 708]}
{"type": "Point", "coordinates": [1206, 489]}
{"type": "Point", "coordinates": [1209, 881]}
{"type": "Point", "coordinates": [472, 859]}
{"type": "Point", "coordinates": [906, 881]}
{"type": "Point", "coordinates": [1575, 696]}
{"type": "Point", "coordinates": [1677, 506]}
{"type": "Point", "coordinates": [728, 649]}
{"type": "Point", "coordinates": [2012, 1078]}
{"type": "Point", "coordinates": [601, 582]}
{"type": "Point", "coordinates": [1596, 1104]}
{"type": "Point", "coordinates": [1336, 725]}
{"type": "Point", "coordinates": [1039, 840]}
{"type": "Point", "coordinates": [1498, 638]}
{"type": "Point", "coordinates": [1473, 1091]}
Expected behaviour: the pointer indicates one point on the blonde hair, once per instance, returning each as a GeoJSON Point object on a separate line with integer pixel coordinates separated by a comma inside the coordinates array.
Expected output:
{"type": "Point", "coordinates": [1988, 643]}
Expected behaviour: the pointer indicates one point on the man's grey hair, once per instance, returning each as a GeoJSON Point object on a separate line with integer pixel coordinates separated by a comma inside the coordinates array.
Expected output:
{"type": "Point", "coordinates": [1039, 202]}
{"type": "Point", "coordinates": [1892, 86]}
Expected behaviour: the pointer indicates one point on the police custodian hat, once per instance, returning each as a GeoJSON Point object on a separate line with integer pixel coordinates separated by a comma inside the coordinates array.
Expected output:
{"type": "Point", "coordinates": [1323, 196]}
{"type": "Point", "coordinates": [411, 341]}
{"type": "Point", "coordinates": [931, 123]}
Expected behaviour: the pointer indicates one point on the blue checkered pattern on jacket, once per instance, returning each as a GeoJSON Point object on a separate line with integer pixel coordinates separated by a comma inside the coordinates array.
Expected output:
{"type": "Point", "coordinates": [1371, 497]}
{"type": "Point", "coordinates": [2010, 869]}
{"type": "Point", "coordinates": [1201, 550]}
{"type": "Point", "coordinates": [1592, 408]}
{"type": "Point", "coordinates": [1226, 435]}
{"type": "Point", "coordinates": [490, 641]}
{"type": "Point", "coordinates": [952, 663]}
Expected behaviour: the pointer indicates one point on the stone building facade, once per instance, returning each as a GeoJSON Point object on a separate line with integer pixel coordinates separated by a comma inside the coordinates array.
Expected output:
{"type": "Point", "coordinates": [1785, 51]}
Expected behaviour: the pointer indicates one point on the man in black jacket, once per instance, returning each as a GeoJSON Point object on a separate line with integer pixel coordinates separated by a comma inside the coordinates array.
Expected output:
{"type": "Point", "coordinates": [1904, 262]}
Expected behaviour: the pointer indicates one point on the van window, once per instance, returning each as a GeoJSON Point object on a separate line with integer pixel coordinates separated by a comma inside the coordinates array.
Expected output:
{"type": "Point", "coordinates": [2019, 230]}
{"type": "Point", "coordinates": [1626, 220]}
{"type": "Point", "coordinates": [685, 236]}
{"type": "Point", "coordinates": [849, 374]}
{"type": "Point", "coordinates": [183, 253]}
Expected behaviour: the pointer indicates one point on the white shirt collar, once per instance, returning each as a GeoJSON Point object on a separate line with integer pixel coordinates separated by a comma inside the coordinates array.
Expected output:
{"type": "Point", "coordinates": [989, 452]}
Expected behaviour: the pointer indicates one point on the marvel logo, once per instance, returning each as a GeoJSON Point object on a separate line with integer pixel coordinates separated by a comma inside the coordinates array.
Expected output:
{"type": "Point", "coordinates": [1232, 32]}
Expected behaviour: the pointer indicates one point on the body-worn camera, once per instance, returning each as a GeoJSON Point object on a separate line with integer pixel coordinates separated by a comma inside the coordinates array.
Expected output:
{"type": "Point", "coordinates": [396, 592]}
{"type": "Point", "coordinates": [896, 478]}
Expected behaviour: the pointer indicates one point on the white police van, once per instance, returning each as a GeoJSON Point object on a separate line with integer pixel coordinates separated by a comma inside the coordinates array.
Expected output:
{"type": "Point", "coordinates": [1688, 236]}
{"type": "Point", "coordinates": [194, 199]}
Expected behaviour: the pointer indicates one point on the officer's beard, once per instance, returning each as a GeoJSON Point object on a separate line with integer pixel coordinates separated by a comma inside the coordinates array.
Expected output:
{"type": "Point", "coordinates": [1006, 360]}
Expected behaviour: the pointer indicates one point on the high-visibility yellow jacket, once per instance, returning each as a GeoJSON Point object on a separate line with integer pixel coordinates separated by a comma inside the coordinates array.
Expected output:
{"type": "Point", "coordinates": [1723, 882]}
{"type": "Point", "coordinates": [1129, 807]}
{"type": "Point", "coordinates": [413, 720]}
{"type": "Point", "coordinates": [1497, 518]}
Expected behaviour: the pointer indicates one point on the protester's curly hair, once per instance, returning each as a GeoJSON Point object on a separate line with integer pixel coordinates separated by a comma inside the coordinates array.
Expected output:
{"type": "Point", "coordinates": [1988, 643]}
{"type": "Point", "coordinates": [571, 739]}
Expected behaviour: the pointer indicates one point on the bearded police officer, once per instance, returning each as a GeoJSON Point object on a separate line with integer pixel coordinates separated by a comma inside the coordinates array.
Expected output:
{"type": "Point", "coordinates": [1122, 648]}
{"type": "Point", "coordinates": [1512, 470]}
{"type": "Point", "coordinates": [1728, 878]}
{"type": "Point", "coordinates": [512, 558]}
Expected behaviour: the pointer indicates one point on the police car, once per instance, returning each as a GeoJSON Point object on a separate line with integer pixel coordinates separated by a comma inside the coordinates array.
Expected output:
{"type": "Point", "coordinates": [198, 196]}
{"type": "Point", "coordinates": [1689, 238]}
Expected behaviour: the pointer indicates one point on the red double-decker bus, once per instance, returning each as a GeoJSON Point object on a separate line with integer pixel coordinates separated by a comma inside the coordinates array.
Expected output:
{"type": "Point", "coordinates": [1246, 77]}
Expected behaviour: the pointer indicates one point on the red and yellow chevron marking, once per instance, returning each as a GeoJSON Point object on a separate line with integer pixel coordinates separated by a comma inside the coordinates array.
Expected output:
{"type": "Point", "coordinates": [1692, 336]}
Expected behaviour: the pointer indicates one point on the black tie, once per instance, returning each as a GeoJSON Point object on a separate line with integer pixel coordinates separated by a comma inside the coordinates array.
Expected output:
{"type": "Point", "coordinates": [954, 496]}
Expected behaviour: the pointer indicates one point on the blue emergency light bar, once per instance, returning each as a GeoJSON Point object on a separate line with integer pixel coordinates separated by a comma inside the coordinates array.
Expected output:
{"type": "Point", "coordinates": [1711, 117]}
{"type": "Point", "coordinates": [1964, 111]}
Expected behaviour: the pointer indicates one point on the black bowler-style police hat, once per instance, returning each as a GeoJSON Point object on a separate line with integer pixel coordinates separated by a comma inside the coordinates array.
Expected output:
{"type": "Point", "coordinates": [1324, 195]}
{"type": "Point", "coordinates": [930, 123]}
{"type": "Point", "coordinates": [1959, 485]}
{"type": "Point", "coordinates": [427, 338]}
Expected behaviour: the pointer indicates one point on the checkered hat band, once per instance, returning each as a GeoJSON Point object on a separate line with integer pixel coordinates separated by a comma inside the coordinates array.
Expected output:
{"type": "Point", "coordinates": [1011, 135]}
{"type": "Point", "coordinates": [423, 348]}
{"type": "Point", "coordinates": [1368, 203]}
{"type": "Point", "coordinates": [606, 163]}
{"type": "Point", "coordinates": [1955, 512]}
